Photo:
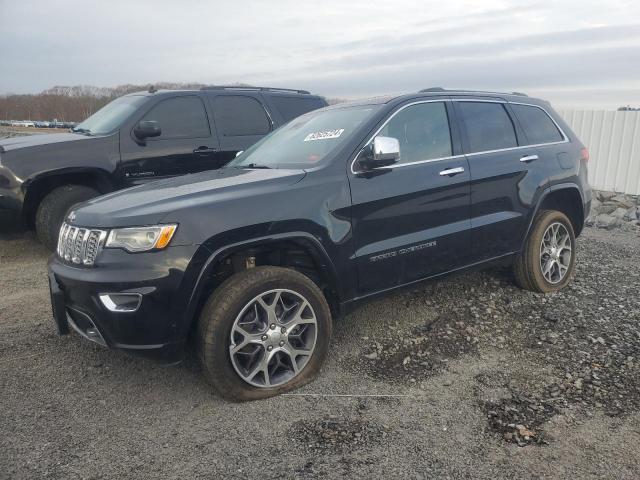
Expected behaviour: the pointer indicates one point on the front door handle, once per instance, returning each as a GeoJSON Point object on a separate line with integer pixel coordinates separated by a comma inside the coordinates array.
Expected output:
{"type": "Point", "coordinates": [529, 158]}
{"type": "Point", "coordinates": [450, 172]}
{"type": "Point", "coordinates": [203, 150]}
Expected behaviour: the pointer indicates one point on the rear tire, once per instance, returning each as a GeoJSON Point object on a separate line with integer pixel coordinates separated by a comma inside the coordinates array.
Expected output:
{"type": "Point", "coordinates": [53, 208]}
{"type": "Point", "coordinates": [233, 303]}
{"type": "Point", "coordinates": [547, 261]}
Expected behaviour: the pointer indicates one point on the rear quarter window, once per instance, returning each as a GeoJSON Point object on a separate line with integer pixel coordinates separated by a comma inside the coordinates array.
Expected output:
{"type": "Point", "coordinates": [537, 125]}
{"type": "Point", "coordinates": [292, 107]}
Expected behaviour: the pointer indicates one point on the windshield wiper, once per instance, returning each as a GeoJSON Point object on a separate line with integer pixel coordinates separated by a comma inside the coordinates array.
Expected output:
{"type": "Point", "coordinates": [81, 130]}
{"type": "Point", "coordinates": [253, 165]}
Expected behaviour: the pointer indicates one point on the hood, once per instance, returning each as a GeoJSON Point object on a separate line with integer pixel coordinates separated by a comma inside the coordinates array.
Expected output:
{"type": "Point", "coordinates": [25, 141]}
{"type": "Point", "coordinates": [149, 204]}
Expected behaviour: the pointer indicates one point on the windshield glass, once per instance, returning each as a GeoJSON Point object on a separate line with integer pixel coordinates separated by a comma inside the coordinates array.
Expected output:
{"type": "Point", "coordinates": [111, 116]}
{"type": "Point", "coordinates": [306, 140]}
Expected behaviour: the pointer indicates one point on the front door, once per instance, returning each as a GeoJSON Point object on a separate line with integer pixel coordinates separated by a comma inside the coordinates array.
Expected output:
{"type": "Point", "coordinates": [186, 144]}
{"type": "Point", "coordinates": [411, 220]}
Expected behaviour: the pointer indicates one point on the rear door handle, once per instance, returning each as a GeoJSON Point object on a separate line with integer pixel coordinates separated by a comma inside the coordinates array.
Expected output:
{"type": "Point", "coordinates": [529, 158]}
{"type": "Point", "coordinates": [202, 150]}
{"type": "Point", "coordinates": [450, 172]}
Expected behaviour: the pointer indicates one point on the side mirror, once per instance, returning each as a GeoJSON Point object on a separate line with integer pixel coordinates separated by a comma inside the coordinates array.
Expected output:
{"type": "Point", "coordinates": [384, 151]}
{"type": "Point", "coordinates": [147, 129]}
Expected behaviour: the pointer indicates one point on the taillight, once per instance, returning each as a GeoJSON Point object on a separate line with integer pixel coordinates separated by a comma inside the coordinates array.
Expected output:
{"type": "Point", "coordinates": [584, 154]}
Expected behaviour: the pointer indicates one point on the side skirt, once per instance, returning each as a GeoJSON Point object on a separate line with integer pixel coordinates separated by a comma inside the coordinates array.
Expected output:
{"type": "Point", "coordinates": [351, 305]}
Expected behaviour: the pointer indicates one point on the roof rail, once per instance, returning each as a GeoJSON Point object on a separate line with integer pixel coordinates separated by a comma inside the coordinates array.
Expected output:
{"type": "Point", "coordinates": [459, 90]}
{"type": "Point", "coordinates": [270, 89]}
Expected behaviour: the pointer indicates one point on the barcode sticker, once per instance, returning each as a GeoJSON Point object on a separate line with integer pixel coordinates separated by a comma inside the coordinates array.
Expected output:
{"type": "Point", "coordinates": [325, 134]}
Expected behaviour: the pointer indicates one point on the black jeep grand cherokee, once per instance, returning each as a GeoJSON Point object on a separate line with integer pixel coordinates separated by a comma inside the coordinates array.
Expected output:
{"type": "Point", "coordinates": [136, 139]}
{"type": "Point", "coordinates": [255, 260]}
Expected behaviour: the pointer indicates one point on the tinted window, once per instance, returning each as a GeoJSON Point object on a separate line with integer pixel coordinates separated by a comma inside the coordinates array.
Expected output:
{"type": "Point", "coordinates": [488, 126]}
{"type": "Point", "coordinates": [292, 107]}
{"type": "Point", "coordinates": [237, 115]}
{"type": "Point", "coordinates": [180, 117]}
{"type": "Point", "coordinates": [537, 125]}
{"type": "Point", "coordinates": [422, 130]}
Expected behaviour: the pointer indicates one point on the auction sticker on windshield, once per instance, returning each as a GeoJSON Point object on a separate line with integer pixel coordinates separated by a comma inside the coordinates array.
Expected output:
{"type": "Point", "coordinates": [324, 135]}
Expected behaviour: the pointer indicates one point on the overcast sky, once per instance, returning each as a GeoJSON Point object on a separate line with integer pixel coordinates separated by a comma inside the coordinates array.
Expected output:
{"type": "Point", "coordinates": [573, 52]}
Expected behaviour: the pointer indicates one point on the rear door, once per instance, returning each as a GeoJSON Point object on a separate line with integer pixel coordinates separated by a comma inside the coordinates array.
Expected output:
{"type": "Point", "coordinates": [240, 121]}
{"type": "Point", "coordinates": [411, 220]}
{"type": "Point", "coordinates": [186, 144]}
{"type": "Point", "coordinates": [503, 176]}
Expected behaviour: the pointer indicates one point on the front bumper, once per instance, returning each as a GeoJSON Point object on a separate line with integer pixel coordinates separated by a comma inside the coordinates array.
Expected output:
{"type": "Point", "coordinates": [10, 210]}
{"type": "Point", "coordinates": [155, 328]}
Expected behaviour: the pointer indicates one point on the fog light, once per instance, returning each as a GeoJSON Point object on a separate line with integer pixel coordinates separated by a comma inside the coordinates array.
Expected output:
{"type": "Point", "coordinates": [121, 302]}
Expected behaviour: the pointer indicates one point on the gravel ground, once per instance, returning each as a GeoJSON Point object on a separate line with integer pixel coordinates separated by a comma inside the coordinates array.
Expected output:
{"type": "Point", "coordinates": [467, 377]}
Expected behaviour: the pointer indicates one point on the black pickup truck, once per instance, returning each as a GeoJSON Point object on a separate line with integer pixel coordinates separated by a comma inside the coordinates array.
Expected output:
{"type": "Point", "coordinates": [135, 139]}
{"type": "Point", "coordinates": [254, 261]}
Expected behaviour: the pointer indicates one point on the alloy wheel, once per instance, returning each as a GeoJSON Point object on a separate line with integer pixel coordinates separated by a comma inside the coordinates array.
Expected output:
{"type": "Point", "coordinates": [555, 253]}
{"type": "Point", "coordinates": [273, 338]}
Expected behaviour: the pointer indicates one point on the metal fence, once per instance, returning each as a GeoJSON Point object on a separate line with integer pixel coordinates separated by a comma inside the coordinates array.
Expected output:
{"type": "Point", "coordinates": [613, 139]}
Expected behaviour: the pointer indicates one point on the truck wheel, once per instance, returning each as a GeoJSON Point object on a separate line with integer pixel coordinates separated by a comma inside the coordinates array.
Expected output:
{"type": "Point", "coordinates": [548, 259]}
{"type": "Point", "coordinates": [264, 331]}
{"type": "Point", "coordinates": [54, 206]}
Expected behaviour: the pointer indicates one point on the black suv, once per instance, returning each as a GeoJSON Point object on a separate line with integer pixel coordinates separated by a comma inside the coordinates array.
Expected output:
{"type": "Point", "coordinates": [135, 139]}
{"type": "Point", "coordinates": [253, 261]}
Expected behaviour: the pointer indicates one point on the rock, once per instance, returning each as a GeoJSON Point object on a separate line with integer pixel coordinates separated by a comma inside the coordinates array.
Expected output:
{"type": "Point", "coordinates": [607, 221]}
{"type": "Point", "coordinates": [633, 214]}
{"type": "Point", "coordinates": [578, 384]}
{"type": "Point", "coordinates": [607, 208]}
{"type": "Point", "coordinates": [604, 196]}
{"type": "Point", "coordinates": [595, 204]}
{"type": "Point", "coordinates": [623, 201]}
{"type": "Point", "coordinates": [619, 212]}
{"type": "Point", "coordinates": [371, 356]}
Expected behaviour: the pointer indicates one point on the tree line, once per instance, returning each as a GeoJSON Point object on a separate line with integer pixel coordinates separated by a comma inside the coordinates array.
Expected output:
{"type": "Point", "coordinates": [70, 104]}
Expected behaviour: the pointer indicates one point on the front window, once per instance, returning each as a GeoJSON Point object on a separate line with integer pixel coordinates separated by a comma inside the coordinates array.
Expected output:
{"type": "Point", "coordinates": [180, 117]}
{"type": "Point", "coordinates": [422, 130]}
{"type": "Point", "coordinates": [111, 116]}
{"type": "Point", "coordinates": [307, 140]}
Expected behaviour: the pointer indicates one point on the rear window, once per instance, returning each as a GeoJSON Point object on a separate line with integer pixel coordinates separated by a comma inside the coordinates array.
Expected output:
{"type": "Point", "coordinates": [488, 126]}
{"type": "Point", "coordinates": [292, 107]}
{"type": "Point", "coordinates": [537, 125]}
{"type": "Point", "coordinates": [237, 115]}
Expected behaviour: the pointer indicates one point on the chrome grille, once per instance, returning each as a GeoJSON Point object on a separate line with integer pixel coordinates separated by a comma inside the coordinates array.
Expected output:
{"type": "Point", "coordinates": [79, 245]}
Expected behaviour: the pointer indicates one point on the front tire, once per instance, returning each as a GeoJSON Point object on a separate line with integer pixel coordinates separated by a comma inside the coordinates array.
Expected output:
{"type": "Point", "coordinates": [263, 332]}
{"type": "Point", "coordinates": [54, 206]}
{"type": "Point", "coordinates": [547, 261]}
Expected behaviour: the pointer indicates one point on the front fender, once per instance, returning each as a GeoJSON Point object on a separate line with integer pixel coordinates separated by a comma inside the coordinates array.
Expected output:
{"type": "Point", "coordinates": [206, 260]}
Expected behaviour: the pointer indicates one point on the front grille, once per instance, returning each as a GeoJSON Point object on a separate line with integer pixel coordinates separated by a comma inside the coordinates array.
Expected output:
{"type": "Point", "coordinates": [79, 245]}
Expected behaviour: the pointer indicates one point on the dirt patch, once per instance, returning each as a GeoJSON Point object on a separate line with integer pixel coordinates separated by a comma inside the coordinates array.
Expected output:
{"type": "Point", "coordinates": [337, 435]}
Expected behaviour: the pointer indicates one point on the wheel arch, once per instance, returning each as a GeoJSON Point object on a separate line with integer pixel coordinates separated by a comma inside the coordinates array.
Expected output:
{"type": "Point", "coordinates": [36, 188]}
{"type": "Point", "coordinates": [566, 198]}
{"type": "Point", "coordinates": [231, 258]}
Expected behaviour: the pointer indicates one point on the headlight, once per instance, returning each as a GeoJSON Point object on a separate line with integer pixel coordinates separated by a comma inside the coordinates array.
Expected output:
{"type": "Point", "coordinates": [141, 239]}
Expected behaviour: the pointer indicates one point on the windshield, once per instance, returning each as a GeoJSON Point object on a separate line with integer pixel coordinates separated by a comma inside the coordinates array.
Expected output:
{"type": "Point", "coordinates": [111, 116]}
{"type": "Point", "coordinates": [306, 140]}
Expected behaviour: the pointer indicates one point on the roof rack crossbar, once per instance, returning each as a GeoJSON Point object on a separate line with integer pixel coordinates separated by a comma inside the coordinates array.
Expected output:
{"type": "Point", "coordinates": [440, 89]}
{"type": "Point", "coordinates": [239, 87]}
